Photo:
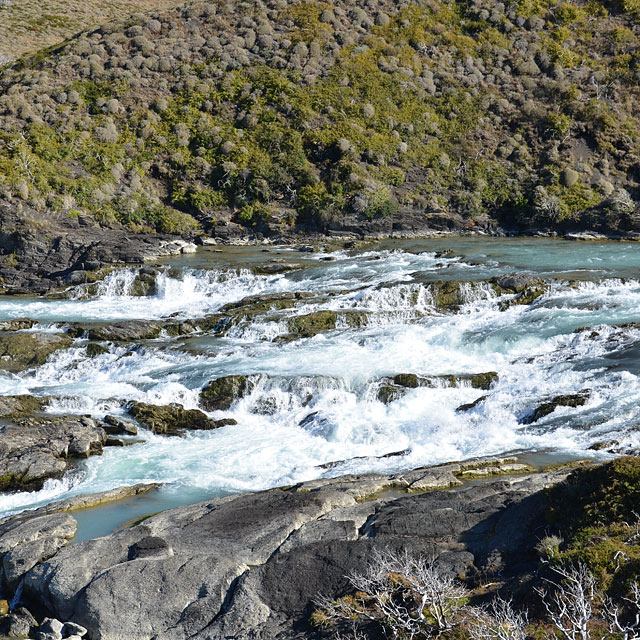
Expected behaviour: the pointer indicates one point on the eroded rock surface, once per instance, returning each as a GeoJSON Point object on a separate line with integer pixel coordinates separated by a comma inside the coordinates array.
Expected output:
{"type": "Point", "coordinates": [35, 449]}
{"type": "Point", "coordinates": [249, 566]}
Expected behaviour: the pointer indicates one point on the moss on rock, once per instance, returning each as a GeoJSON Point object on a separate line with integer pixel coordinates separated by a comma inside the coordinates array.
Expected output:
{"type": "Point", "coordinates": [174, 419]}
{"type": "Point", "coordinates": [20, 351]}
{"type": "Point", "coordinates": [221, 393]}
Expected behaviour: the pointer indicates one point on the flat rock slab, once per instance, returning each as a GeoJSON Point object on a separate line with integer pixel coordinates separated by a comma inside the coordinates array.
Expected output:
{"type": "Point", "coordinates": [250, 566]}
{"type": "Point", "coordinates": [20, 351]}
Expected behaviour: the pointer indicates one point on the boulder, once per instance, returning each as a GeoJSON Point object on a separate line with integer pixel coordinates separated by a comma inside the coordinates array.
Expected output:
{"type": "Point", "coordinates": [94, 350]}
{"type": "Point", "coordinates": [20, 351]}
{"type": "Point", "coordinates": [114, 425]}
{"type": "Point", "coordinates": [570, 400]}
{"type": "Point", "coordinates": [221, 393]}
{"type": "Point", "coordinates": [393, 388]}
{"type": "Point", "coordinates": [174, 420]}
{"type": "Point", "coordinates": [527, 287]}
{"type": "Point", "coordinates": [310, 324]}
{"type": "Point", "coordinates": [33, 450]}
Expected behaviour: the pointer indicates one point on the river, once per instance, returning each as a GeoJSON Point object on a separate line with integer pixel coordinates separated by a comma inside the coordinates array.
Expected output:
{"type": "Point", "coordinates": [314, 409]}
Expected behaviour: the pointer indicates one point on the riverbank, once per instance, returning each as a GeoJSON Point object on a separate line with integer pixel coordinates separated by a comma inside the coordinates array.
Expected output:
{"type": "Point", "coordinates": [251, 565]}
{"type": "Point", "coordinates": [43, 254]}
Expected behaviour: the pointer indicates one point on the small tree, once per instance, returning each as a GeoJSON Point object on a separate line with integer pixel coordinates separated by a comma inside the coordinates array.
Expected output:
{"type": "Point", "coordinates": [405, 597]}
{"type": "Point", "coordinates": [570, 602]}
{"type": "Point", "coordinates": [499, 622]}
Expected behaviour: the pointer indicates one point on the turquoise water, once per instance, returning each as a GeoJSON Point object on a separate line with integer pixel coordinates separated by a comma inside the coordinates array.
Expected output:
{"type": "Point", "coordinates": [314, 401]}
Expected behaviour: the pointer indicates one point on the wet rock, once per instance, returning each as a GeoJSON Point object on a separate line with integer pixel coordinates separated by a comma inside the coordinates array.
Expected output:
{"type": "Point", "coordinates": [388, 393]}
{"type": "Point", "coordinates": [20, 351]}
{"type": "Point", "coordinates": [471, 405]}
{"type": "Point", "coordinates": [174, 420]}
{"type": "Point", "coordinates": [516, 282]}
{"type": "Point", "coordinates": [310, 324]}
{"type": "Point", "coordinates": [604, 445]}
{"type": "Point", "coordinates": [126, 330]}
{"type": "Point", "coordinates": [571, 400]}
{"type": "Point", "coordinates": [484, 380]}
{"type": "Point", "coordinates": [35, 449]}
{"type": "Point", "coordinates": [114, 425]}
{"type": "Point", "coordinates": [144, 283]}
{"type": "Point", "coordinates": [447, 296]}
{"type": "Point", "coordinates": [252, 305]}
{"type": "Point", "coordinates": [94, 349]}
{"type": "Point", "coordinates": [17, 324]}
{"type": "Point", "coordinates": [21, 406]}
{"type": "Point", "coordinates": [528, 288]}
{"type": "Point", "coordinates": [274, 268]}
{"type": "Point", "coordinates": [221, 393]}
{"type": "Point", "coordinates": [393, 388]}
{"type": "Point", "coordinates": [408, 380]}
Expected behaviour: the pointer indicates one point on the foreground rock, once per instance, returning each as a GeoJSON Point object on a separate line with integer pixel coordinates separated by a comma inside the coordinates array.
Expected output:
{"type": "Point", "coordinates": [20, 351]}
{"type": "Point", "coordinates": [34, 536]}
{"type": "Point", "coordinates": [249, 566]}
{"type": "Point", "coordinates": [36, 449]}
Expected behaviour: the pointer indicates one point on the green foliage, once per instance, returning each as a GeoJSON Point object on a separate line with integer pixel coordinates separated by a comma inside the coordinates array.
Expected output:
{"type": "Point", "coordinates": [596, 511]}
{"type": "Point", "coordinates": [558, 124]}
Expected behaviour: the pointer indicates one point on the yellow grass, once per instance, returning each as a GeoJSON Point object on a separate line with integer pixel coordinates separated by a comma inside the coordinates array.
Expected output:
{"type": "Point", "coordinates": [29, 25]}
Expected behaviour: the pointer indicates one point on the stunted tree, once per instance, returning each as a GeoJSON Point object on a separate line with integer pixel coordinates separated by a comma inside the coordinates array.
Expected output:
{"type": "Point", "coordinates": [407, 598]}
{"type": "Point", "coordinates": [569, 602]}
{"type": "Point", "coordinates": [500, 621]}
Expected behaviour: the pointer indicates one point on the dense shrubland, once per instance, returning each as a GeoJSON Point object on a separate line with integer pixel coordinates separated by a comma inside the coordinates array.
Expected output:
{"type": "Point", "coordinates": [586, 586]}
{"type": "Point", "coordinates": [281, 113]}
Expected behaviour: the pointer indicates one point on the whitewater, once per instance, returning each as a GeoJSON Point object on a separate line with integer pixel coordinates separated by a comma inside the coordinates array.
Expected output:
{"type": "Point", "coordinates": [314, 408]}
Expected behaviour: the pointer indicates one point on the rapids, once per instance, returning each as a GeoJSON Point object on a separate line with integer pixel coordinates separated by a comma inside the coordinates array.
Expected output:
{"type": "Point", "coordinates": [313, 409]}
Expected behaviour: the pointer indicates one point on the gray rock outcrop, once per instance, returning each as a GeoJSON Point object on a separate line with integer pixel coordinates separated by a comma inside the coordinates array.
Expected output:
{"type": "Point", "coordinates": [33, 450]}
{"type": "Point", "coordinates": [249, 566]}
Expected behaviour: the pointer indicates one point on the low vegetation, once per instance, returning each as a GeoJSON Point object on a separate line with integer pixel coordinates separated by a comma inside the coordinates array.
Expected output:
{"type": "Point", "coordinates": [321, 114]}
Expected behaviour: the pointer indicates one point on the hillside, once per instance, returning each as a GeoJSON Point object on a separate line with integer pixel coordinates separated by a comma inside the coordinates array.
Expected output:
{"type": "Point", "coordinates": [391, 116]}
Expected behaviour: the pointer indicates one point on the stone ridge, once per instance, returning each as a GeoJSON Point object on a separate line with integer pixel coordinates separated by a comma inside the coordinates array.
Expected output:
{"type": "Point", "coordinates": [250, 565]}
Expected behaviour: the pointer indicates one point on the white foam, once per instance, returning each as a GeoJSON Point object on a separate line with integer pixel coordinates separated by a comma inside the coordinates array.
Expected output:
{"type": "Point", "coordinates": [314, 400]}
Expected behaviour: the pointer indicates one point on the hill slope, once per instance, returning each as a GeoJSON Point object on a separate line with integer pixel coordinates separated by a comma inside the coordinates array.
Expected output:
{"type": "Point", "coordinates": [324, 115]}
